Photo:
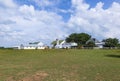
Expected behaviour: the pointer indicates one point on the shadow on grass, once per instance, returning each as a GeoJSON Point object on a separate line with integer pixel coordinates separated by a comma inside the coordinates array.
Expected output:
{"type": "Point", "coordinates": [114, 56]}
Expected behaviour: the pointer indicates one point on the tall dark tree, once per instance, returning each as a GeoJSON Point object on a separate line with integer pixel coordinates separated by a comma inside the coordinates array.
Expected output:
{"type": "Point", "coordinates": [111, 42]}
{"type": "Point", "coordinates": [79, 38]}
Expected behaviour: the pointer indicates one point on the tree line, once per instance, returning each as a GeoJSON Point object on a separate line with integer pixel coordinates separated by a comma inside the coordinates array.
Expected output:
{"type": "Point", "coordinates": [82, 38]}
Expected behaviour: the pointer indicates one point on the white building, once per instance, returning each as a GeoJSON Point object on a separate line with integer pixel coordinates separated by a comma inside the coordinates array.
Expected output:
{"type": "Point", "coordinates": [35, 45]}
{"type": "Point", "coordinates": [64, 44]}
{"type": "Point", "coordinates": [98, 44]}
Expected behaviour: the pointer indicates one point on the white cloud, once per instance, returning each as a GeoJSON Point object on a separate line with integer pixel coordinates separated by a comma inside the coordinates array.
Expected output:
{"type": "Point", "coordinates": [8, 35]}
{"type": "Point", "coordinates": [23, 24]}
{"type": "Point", "coordinates": [43, 3]}
{"type": "Point", "coordinates": [79, 5]}
{"type": "Point", "coordinates": [30, 25]}
{"type": "Point", "coordinates": [46, 3]}
{"type": "Point", "coordinates": [97, 21]}
{"type": "Point", "coordinates": [27, 10]}
{"type": "Point", "coordinates": [7, 3]}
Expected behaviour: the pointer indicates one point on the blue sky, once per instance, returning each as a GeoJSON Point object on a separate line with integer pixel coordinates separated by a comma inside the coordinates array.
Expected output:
{"type": "Point", "coordinates": [24, 21]}
{"type": "Point", "coordinates": [65, 5]}
{"type": "Point", "coordinates": [107, 3]}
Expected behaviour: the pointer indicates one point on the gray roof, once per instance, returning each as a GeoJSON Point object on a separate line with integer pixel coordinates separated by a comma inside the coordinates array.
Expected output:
{"type": "Point", "coordinates": [93, 40]}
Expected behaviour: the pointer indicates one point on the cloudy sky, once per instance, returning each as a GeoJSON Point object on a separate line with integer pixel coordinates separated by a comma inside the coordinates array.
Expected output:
{"type": "Point", "coordinates": [24, 21]}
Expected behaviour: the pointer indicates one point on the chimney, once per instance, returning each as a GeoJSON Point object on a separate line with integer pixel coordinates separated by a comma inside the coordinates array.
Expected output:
{"type": "Point", "coordinates": [57, 41]}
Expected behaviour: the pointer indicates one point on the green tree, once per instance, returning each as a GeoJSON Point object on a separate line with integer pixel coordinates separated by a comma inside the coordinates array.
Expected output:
{"type": "Point", "coordinates": [90, 44]}
{"type": "Point", "coordinates": [79, 38]}
{"type": "Point", "coordinates": [111, 42]}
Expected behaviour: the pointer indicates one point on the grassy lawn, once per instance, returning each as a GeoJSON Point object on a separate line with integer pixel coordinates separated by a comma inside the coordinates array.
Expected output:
{"type": "Point", "coordinates": [60, 65]}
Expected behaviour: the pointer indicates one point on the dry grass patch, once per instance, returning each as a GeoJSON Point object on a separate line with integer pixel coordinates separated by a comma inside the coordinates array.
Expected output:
{"type": "Point", "coordinates": [38, 76]}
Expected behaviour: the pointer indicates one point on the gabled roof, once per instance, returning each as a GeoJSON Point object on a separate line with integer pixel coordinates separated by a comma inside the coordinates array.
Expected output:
{"type": "Point", "coordinates": [55, 42]}
{"type": "Point", "coordinates": [93, 40]}
{"type": "Point", "coordinates": [35, 44]}
{"type": "Point", "coordinates": [71, 43]}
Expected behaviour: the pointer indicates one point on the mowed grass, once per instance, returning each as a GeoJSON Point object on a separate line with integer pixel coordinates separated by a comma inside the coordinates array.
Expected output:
{"type": "Point", "coordinates": [60, 65]}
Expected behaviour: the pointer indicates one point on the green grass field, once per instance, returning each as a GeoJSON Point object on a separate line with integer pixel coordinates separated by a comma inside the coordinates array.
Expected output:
{"type": "Point", "coordinates": [60, 65]}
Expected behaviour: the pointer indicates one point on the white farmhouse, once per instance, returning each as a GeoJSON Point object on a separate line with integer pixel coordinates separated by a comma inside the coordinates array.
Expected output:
{"type": "Point", "coordinates": [97, 43]}
{"type": "Point", "coordinates": [35, 45]}
{"type": "Point", "coordinates": [64, 44]}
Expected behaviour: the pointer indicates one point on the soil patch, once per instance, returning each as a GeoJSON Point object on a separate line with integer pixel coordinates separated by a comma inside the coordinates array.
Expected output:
{"type": "Point", "coordinates": [39, 76]}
